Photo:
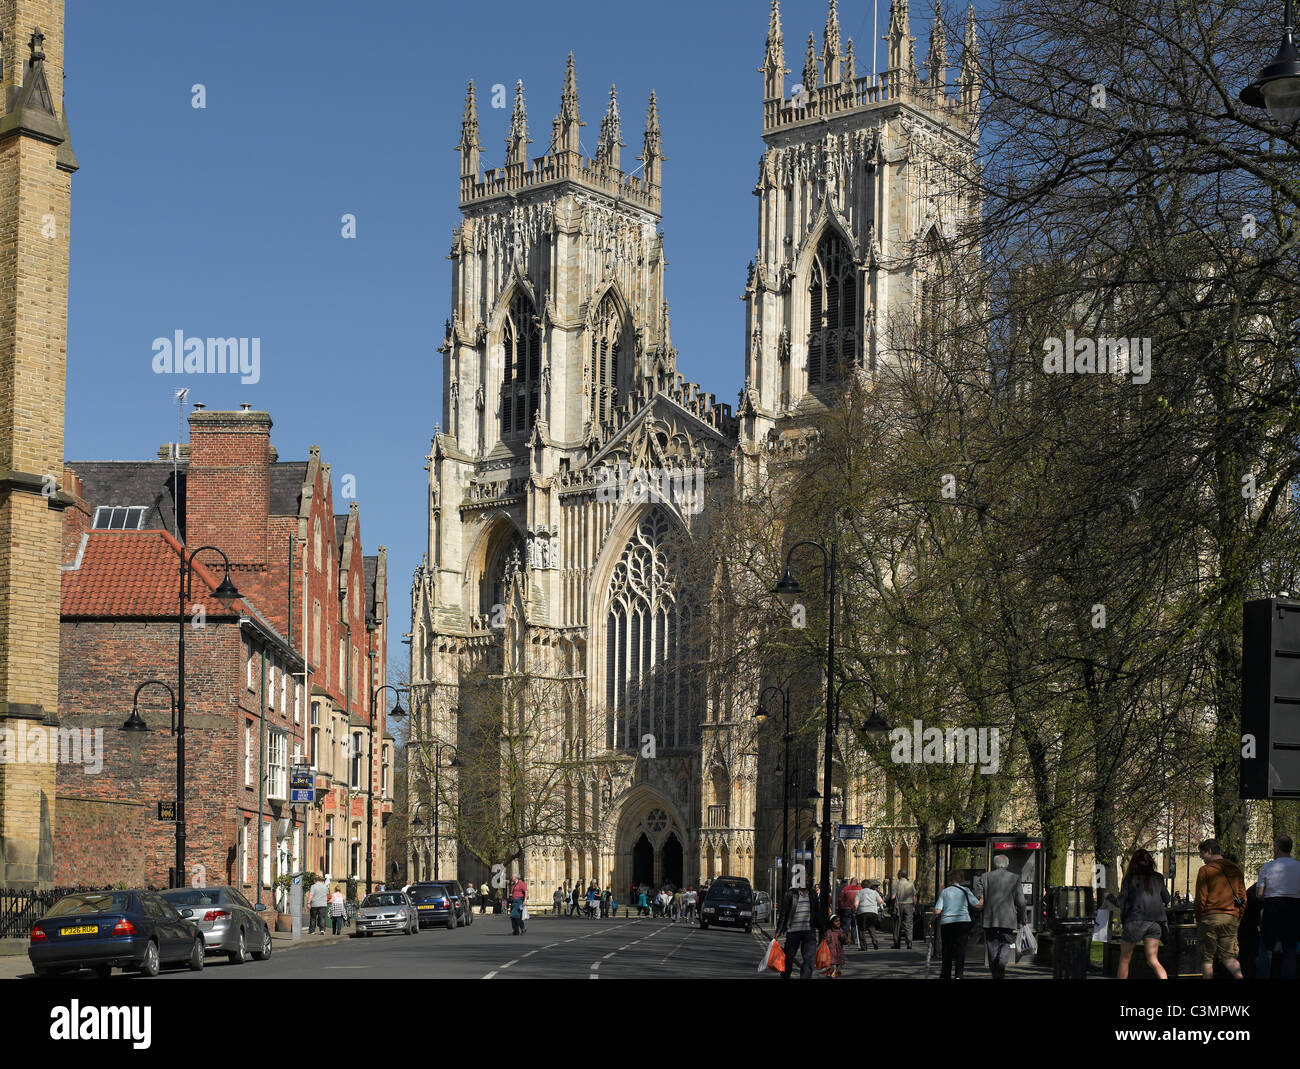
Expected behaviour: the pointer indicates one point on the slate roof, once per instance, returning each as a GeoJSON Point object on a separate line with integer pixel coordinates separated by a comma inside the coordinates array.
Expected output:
{"type": "Point", "coordinates": [286, 487]}
{"type": "Point", "coordinates": [134, 482]}
{"type": "Point", "coordinates": [371, 567]}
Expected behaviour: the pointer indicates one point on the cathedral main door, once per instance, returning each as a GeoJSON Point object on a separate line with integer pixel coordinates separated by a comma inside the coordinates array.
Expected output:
{"type": "Point", "coordinates": [643, 862]}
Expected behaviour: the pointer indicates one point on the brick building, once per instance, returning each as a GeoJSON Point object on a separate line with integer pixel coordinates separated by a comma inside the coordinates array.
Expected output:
{"type": "Point", "coordinates": [253, 701]}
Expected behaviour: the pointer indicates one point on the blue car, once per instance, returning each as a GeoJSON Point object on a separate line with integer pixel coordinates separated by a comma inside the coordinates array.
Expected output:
{"type": "Point", "coordinates": [104, 930]}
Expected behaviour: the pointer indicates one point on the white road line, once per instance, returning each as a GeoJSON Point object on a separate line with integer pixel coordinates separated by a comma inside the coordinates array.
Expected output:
{"type": "Point", "coordinates": [509, 963]}
{"type": "Point", "coordinates": [594, 976]}
{"type": "Point", "coordinates": [490, 975]}
{"type": "Point", "coordinates": [610, 954]}
{"type": "Point", "coordinates": [595, 965]}
{"type": "Point", "coordinates": [549, 945]}
{"type": "Point", "coordinates": [530, 953]}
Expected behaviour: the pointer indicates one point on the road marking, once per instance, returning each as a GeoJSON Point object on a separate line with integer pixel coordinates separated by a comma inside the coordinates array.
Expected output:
{"type": "Point", "coordinates": [345, 966]}
{"type": "Point", "coordinates": [530, 953]}
{"type": "Point", "coordinates": [610, 954]}
{"type": "Point", "coordinates": [595, 965]}
{"type": "Point", "coordinates": [490, 975]}
{"type": "Point", "coordinates": [594, 976]}
{"type": "Point", "coordinates": [549, 945]}
{"type": "Point", "coordinates": [509, 963]}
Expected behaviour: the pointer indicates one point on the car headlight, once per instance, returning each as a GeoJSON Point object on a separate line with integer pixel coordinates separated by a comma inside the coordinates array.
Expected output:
{"type": "Point", "coordinates": [710, 909]}
{"type": "Point", "coordinates": [746, 913]}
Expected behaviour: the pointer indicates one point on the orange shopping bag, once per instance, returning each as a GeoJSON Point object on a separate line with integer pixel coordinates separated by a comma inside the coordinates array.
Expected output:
{"type": "Point", "coordinates": [823, 959]}
{"type": "Point", "coordinates": [774, 958]}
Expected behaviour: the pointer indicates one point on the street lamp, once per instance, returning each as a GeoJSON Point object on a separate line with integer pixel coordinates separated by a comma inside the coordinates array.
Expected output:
{"type": "Point", "coordinates": [1278, 86]}
{"type": "Point", "coordinates": [226, 594]}
{"type": "Point", "coordinates": [789, 591]}
{"type": "Point", "coordinates": [135, 722]}
{"type": "Point", "coordinates": [437, 799]}
{"type": "Point", "coordinates": [760, 715]}
{"type": "Point", "coordinates": [397, 713]}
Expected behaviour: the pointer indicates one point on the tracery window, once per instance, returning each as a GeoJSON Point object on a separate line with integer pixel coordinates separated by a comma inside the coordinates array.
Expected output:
{"type": "Point", "coordinates": [647, 678]}
{"type": "Point", "coordinates": [834, 341]}
{"type": "Point", "coordinates": [935, 305]}
{"type": "Point", "coordinates": [521, 376]}
{"type": "Point", "coordinates": [606, 341]}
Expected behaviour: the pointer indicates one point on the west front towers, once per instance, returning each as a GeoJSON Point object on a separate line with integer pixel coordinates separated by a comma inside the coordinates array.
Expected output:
{"type": "Point", "coordinates": [36, 165]}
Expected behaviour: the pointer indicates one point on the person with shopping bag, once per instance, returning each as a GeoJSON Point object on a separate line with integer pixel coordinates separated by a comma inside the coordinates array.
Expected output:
{"type": "Point", "coordinates": [803, 923]}
{"type": "Point", "coordinates": [835, 941]}
{"type": "Point", "coordinates": [518, 905]}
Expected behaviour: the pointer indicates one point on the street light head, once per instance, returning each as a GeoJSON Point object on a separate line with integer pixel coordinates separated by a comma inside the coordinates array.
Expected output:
{"type": "Point", "coordinates": [397, 711]}
{"type": "Point", "coordinates": [226, 592]}
{"type": "Point", "coordinates": [760, 714]}
{"type": "Point", "coordinates": [1278, 86]}
{"type": "Point", "coordinates": [135, 722]}
{"type": "Point", "coordinates": [456, 762]}
{"type": "Point", "coordinates": [875, 723]}
{"type": "Point", "coordinates": [814, 793]}
{"type": "Point", "coordinates": [788, 588]}
{"type": "Point", "coordinates": [417, 823]}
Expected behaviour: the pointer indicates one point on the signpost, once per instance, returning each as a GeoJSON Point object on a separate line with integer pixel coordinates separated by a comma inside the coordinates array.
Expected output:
{"type": "Point", "coordinates": [849, 831]}
{"type": "Point", "coordinates": [167, 811]}
{"type": "Point", "coordinates": [302, 785]}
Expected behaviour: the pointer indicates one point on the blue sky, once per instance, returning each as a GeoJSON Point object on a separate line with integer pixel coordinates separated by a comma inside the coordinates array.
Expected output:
{"type": "Point", "coordinates": [226, 221]}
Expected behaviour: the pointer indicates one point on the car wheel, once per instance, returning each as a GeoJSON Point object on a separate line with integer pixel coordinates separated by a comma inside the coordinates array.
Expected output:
{"type": "Point", "coordinates": [196, 955]}
{"type": "Point", "coordinates": [265, 952]}
{"type": "Point", "coordinates": [451, 922]}
{"type": "Point", "coordinates": [103, 972]}
{"type": "Point", "coordinates": [704, 925]}
{"type": "Point", "coordinates": [239, 955]}
{"type": "Point", "coordinates": [149, 963]}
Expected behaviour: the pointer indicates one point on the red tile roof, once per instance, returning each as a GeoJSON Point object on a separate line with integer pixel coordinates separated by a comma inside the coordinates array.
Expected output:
{"type": "Point", "coordinates": [136, 573]}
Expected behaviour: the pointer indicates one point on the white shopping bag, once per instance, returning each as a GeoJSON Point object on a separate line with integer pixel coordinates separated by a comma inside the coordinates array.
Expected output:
{"type": "Point", "coordinates": [1101, 926]}
{"type": "Point", "coordinates": [1026, 943]}
{"type": "Point", "coordinates": [523, 913]}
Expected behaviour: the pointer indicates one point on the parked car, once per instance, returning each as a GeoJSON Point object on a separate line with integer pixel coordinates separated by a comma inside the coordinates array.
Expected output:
{"type": "Point", "coordinates": [229, 924]}
{"type": "Point", "coordinates": [728, 901]}
{"type": "Point", "coordinates": [387, 911]}
{"type": "Point", "coordinates": [762, 908]}
{"type": "Point", "coordinates": [442, 903]}
{"type": "Point", "coordinates": [104, 930]}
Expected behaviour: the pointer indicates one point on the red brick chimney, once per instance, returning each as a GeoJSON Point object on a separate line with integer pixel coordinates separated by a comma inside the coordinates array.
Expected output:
{"type": "Point", "coordinates": [228, 487]}
{"type": "Point", "coordinates": [76, 518]}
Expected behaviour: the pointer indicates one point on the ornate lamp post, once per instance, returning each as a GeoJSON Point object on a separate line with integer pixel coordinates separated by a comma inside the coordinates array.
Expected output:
{"type": "Point", "coordinates": [397, 713]}
{"type": "Point", "coordinates": [760, 715]}
{"type": "Point", "coordinates": [1278, 86]}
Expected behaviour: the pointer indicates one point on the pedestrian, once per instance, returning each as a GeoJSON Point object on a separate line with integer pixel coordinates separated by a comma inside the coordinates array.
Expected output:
{"type": "Point", "coordinates": [484, 895]}
{"type": "Point", "coordinates": [591, 901]}
{"type": "Point", "coordinates": [319, 898]}
{"type": "Point", "coordinates": [1220, 901]}
{"type": "Point", "coordinates": [518, 905]}
{"type": "Point", "coordinates": [575, 897]}
{"type": "Point", "coordinates": [867, 904]}
{"type": "Point", "coordinates": [338, 910]}
{"type": "Point", "coordinates": [642, 910]}
{"type": "Point", "coordinates": [557, 900]}
{"type": "Point", "coordinates": [952, 909]}
{"type": "Point", "coordinates": [1142, 904]}
{"type": "Point", "coordinates": [836, 939]}
{"type": "Point", "coordinates": [848, 896]}
{"type": "Point", "coordinates": [688, 902]}
{"type": "Point", "coordinates": [803, 923]}
{"type": "Point", "coordinates": [1279, 901]}
{"type": "Point", "coordinates": [677, 905]}
{"type": "Point", "coordinates": [607, 902]}
{"type": "Point", "coordinates": [1004, 912]}
{"type": "Point", "coordinates": [903, 901]}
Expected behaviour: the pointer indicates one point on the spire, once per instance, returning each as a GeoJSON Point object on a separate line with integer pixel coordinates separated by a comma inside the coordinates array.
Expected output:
{"type": "Point", "coordinates": [518, 141]}
{"type": "Point", "coordinates": [901, 55]}
{"type": "Point", "coordinates": [850, 67]}
{"type": "Point", "coordinates": [652, 154]}
{"type": "Point", "coordinates": [469, 143]}
{"type": "Point", "coordinates": [970, 64]}
{"type": "Point", "coordinates": [831, 48]}
{"type": "Point", "coordinates": [810, 65]}
{"type": "Point", "coordinates": [937, 61]}
{"type": "Point", "coordinates": [568, 120]}
{"type": "Point", "coordinates": [610, 134]}
{"type": "Point", "coordinates": [774, 68]}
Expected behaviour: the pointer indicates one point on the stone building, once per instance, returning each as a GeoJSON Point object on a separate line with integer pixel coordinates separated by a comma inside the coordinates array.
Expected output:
{"type": "Point", "coordinates": [575, 462]}
{"type": "Point", "coordinates": [36, 166]}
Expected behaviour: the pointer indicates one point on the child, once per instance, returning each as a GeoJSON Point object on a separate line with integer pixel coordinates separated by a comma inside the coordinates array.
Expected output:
{"type": "Point", "coordinates": [835, 940]}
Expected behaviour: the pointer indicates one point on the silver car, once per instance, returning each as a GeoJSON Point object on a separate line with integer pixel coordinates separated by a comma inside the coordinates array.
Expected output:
{"type": "Point", "coordinates": [228, 923]}
{"type": "Point", "coordinates": [387, 911]}
{"type": "Point", "coordinates": [762, 908]}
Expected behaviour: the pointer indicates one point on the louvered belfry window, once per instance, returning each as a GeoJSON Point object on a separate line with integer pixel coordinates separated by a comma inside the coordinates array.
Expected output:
{"type": "Point", "coordinates": [521, 375]}
{"type": "Point", "coordinates": [834, 342]}
{"type": "Point", "coordinates": [605, 341]}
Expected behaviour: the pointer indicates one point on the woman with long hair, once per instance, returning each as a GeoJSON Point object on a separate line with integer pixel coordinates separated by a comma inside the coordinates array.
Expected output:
{"type": "Point", "coordinates": [1143, 901]}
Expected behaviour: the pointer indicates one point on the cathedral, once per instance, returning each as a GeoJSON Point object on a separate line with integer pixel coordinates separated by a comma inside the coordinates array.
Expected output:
{"type": "Point", "coordinates": [550, 620]}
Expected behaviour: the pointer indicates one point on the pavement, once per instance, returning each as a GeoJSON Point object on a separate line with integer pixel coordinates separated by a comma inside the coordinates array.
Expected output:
{"type": "Point", "coordinates": [551, 948]}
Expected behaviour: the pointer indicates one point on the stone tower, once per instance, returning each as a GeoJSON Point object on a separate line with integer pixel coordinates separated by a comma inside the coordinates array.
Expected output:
{"type": "Point", "coordinates": [861, 191]}
{"type": "Point", "coordinates": [36, 164]}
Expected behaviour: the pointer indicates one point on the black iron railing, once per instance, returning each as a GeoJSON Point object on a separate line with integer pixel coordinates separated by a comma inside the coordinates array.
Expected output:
{"type": "Point", "coordinates": [19, 910]}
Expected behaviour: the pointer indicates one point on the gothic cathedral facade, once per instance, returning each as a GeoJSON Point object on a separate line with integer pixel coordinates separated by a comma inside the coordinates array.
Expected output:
{"type": "Point", "coordinates": [556, 556]}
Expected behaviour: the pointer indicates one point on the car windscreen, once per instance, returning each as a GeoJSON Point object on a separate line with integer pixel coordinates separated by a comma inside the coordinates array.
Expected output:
{"type": "Point", "coordinates": [427, 892]}
{"type": "Point", "coordinates": [382, 900]}
{"type": "Point", "coordinates": [109, 902]}
{"type": "Point", "coordinates": [193, 896]}
{"type": "Point", "coordinates": [728, 894]}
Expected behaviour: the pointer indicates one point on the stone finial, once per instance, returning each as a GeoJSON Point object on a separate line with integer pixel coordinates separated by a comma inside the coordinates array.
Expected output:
{"type": "Point", "coordinates": [970, 64]}
{"type": "Point", "coordinates": [652, 154]}
{"type": "Point", "coordinates": [831, 47]}
{"type": "Point", "coordinates": [568, 121]}
{"type": "Point", "coordinates": [937, 60]}
{"type": "Point", "coordinates": [850, 66]}
{"type": "Point", "coordinates": [607, 147]}
{"type": "Point", "coordinates": [810, 65]}
{"type": "Point", "coordinates": [900, 43]}
{"type": "Point", "coordinates": [773, 68]}
{"type": "Point", "coordinates": [518, 141]}
{"type": "Point", "coordinates": [469, 146]}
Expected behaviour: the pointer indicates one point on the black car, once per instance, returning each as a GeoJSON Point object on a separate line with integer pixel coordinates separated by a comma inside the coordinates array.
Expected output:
{"type": "Point", "coordinates": [102, 930]}
{"type": "Point", "coordinates": [442, 902]}
{"type": "Point", "coordinates": [728, 901]}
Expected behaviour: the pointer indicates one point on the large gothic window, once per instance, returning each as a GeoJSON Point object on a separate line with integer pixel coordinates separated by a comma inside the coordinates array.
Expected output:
{"type": "Point", "coordinates": [521, 377]}
{"type": "Point", "coordinates": [606, 339]}
{"type": "Point", "coordinates": [505, 556]}
{"type": "Point", "coordinates": [647, 686]}
{"type": "Point", "coordinates": [834, 341]}
{"type": "Point", "coordinates": [936, 296]}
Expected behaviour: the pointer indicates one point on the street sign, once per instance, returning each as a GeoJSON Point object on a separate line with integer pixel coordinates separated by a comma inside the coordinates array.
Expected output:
{"type": "Point", "coordinates": [803, 855]}
{"type": "Point", "coordinates": [167, 811]}
{"type": "Point", "coordinates": [302, 785]}
{"type": "Point", "coordinates": [849, 831]}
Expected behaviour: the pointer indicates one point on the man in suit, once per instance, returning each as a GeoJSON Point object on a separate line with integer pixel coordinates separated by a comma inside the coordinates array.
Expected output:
{"type": "Point", "coordinates": [803, 923]}
{"type": "Point", "coordinates": [1003, 906]}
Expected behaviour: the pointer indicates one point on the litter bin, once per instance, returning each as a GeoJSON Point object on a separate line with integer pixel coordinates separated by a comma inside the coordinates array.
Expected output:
{"type": "Point", "coordinates": [1069, 922]}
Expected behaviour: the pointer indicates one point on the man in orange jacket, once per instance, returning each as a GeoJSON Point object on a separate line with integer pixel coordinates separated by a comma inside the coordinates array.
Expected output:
{"type": "Point", "coordinates": [1220, 901]}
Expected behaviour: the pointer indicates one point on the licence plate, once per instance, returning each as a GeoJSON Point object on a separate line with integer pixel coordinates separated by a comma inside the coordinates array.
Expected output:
{"type": "Point", "coordinates": [83, 929]}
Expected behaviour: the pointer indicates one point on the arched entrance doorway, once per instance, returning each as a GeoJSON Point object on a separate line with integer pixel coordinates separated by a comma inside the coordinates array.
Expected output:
{"type": "Point", "coordinates": [673, 868]}
{"type": "Point", "coordinates": [643, 862]}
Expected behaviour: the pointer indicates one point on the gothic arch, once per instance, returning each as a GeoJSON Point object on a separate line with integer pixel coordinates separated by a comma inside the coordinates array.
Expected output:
{"type": "Point", "coordinates": [608, 353]}
{"type": "Point", "coordinates": [498, 533]}
{"type": "Point", "coordinates": [817, 348]}
{"type": "Point", "coordinates": [515, 341]}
